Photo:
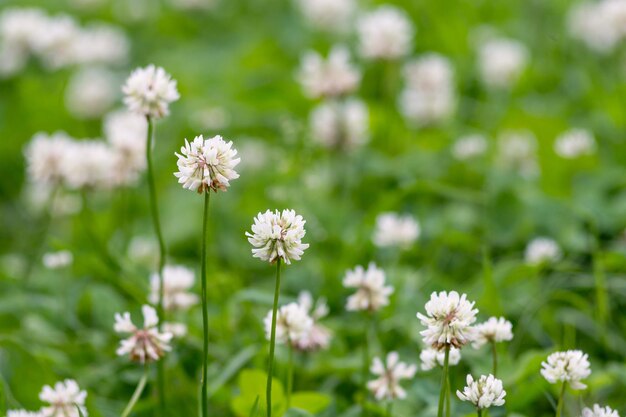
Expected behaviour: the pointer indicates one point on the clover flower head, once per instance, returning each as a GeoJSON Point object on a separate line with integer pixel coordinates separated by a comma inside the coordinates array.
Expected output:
{"type": "Point", "coordinates": [177, 283]}
{"type": "Point", "coordinates": [570, 367]}
{"type": "Point", "coordinates": [278, 235]}
{"type": "Point", "coordinates": [493, 330]}
{"type": "Point", "coordinates": [292, 323]}
{"type": "Point", "coordinates": [149, 91]}
{"type": "Point", "coordinates": [599, 411]}
{"type": "Point", "coordinates": [63, 399]}
{"type": "Point", "coordinates": [487, 391]}
{"type": "Point", "coordinates": [433, 357]}
{"type": "Point", "coordinates": [318, 337]}
{"type": "Point", "coordinates": [46, 156]}
{"type": "Point", "coordinates": [328, 15]}
{"type": "Point", "coordinates": [144, 344]}
{"type": "Point", "coordinates": [207, 164]}
{"type": "Point", "coordinates": [340, 124]}
{"type": "Point", "coordinates": [385, 33]}
{"type": "Point", "coordinates": [469, 146]}
{"type": "Point", "coordinates": [449, 318]}
{"type": "Point", "coordinates": [501, 61]}
{"type": "Point", "coordinates": [542, 250]}
{"type": "Point", "coordinates": [331, 77]}
{"type": "Point", "coordinates": [390, 373]}
{"type": "Point", "coordinates": [371, 293]}
{"type": "Point", "coordinates": [393, 229]}
{"type": "Point", "coordinates": [575, 143]}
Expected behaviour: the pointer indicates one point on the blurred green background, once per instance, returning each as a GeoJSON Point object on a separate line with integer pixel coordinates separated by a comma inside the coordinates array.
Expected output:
{"type": "Point", "coordinates": [235, 63]}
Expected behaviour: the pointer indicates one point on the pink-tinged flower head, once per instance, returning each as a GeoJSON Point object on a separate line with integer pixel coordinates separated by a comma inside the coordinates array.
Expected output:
{"type": "Point", "coordinates": [449, 318]}
{"type": "Point", "coordinates": [145, 344]}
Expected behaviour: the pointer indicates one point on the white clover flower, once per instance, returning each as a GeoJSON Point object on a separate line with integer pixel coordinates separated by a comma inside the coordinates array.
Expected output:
{"type": "Point", "coordinates": [590, 23]}
{"type": "Point", "coordinates": [205, 165]}
{"type": "Point", "coordinates": [517, 151]}
{"type": "Point", "coordinates": [493, 330]}
{"type": "Point", "coordinates": [487, 391]}
{"type": "Point", "coordinates": [340, 124]}
{"type": "Point", "coordinates": [177, 330]}
{"type": "Point", "coordinates": [89, 164]}
{"type": "Point", "coordinates": [292, 323]}
{"type": "Point", "coordinates": [331, 77]}
{"type": "Point", "coordinates": [393, 229]}
{"type": "Point", "coordinates": [598, 411]}
{"type": "Point", "coordinates": [149, 91]}
{"type": "Point", "coordinates": [449, 320]}
{"type": "Point", "coordinates": [144, 344]}
{"type": "Point", "coordinates": [192, 5]}
{"type": "Point", "coordinates": [177, 282]}
{"type": "Point", "coordinates": [429, 73]}
{"type": "Point", "coordinates": [385, 33]}
{"type": "Point", "coordinates": [501, 62]}
{"type": "Point", "coordinates": [64, 399]}
{"type": "Point", "coordinates": [575, 143]}
{"type": "Point", "coordinates": [12, 60]}
{"type": "Point", "coordinates": [432, 357]}
{"type": "Point", "coordinates": [328, 15]}
{"type": "Point", "coordinates": [570, 366]}
{"type": "Point", "coordinates": [19, 27]}
{"type": "Point", "coordinates": [318, 336]}
{"type": "Point", "coordinates": [390, 373]}
{"type": "Point", "coordinates": [100, 44]}
{"type": "Point", "coordinates": [56, 260]}
{"type": "Point", "coordinates": [46, 157]}
{"type": "Point", "coordinates": [371, 293]}
{"type": "Point", "coordinates": [424, 109]}
{"type": "Point", "coordinates": [542, 250]}
{"type": "Point", "coordinates": [126, 134]}
{"type": "Point", "coordinates": [90, 92]}
{"type": "Point", "coordinates": [54, 40]}
{"type": "Point", "coordinates": [470, 146]}
{"type": "Point", "coordinates": [23, 413]}
{"type": "Point", "coordinates": [278, 235]}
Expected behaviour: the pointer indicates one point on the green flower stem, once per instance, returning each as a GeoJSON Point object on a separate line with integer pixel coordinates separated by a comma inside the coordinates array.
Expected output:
{"type": "Point", "coordinates": [270, 367]}
{"type": "Point", "coordinates": [444, 383]}
{"type": "Point", "coordinates": [154, 209]}
{"type": "Point", "coordinates": [136, 394]}
{"type": "Point", "coordinates": [389, 408]}
{"type": "Point", "coordinates": [205, 314]}
{"type": "Point", "coordinates": [366, 363]}
{"type": "Point", "coordinates": [448, 407]}
{"type": "Point", "coordinates": [559, 407]}
{"type": "Point", "coordinates": [494, 353]}
{"type": "Point", "coordinates": [479, 412]}
{"type": "Point", "coordinates": [290, 376]}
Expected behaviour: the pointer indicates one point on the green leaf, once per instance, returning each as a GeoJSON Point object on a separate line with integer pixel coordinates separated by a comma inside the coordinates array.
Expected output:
{"type": "Point", "coordinates": [238, 361]}
{"type": "Point", "coordinates": [310, 401]}
{"type": "Point", "coordinates": [255, 407]}
{"type": "Point", "coordinates": [252, 385]}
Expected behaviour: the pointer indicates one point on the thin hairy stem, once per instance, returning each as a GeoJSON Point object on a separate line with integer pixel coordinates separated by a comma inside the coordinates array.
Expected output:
{"type": "Point", "coordinates": [444, 383]}
{"type": "Point", "coordinates": [205, 314]}
{"type": "Point", "coordinates": [270, 367]}
{"type": "Point", "coordinates": [494, 353]}
{"type": "Point", "coordinates": [559, 407]}
{"type": "Point", "coordinates": [136, 394]}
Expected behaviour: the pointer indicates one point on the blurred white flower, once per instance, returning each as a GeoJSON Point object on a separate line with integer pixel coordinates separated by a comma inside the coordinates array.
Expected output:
{"type": "Point", "coordinates": [318, 336]}
{"type": "Point", "coordinates": [501, 62]}
{"type": "Point", "coordinates": [12, 60]}
{"type": "Point", "coordinates": [570, 367]}
{"type": "Point", "coordinates": [385, 33]}
{"type": "Point", "coordinates": [393, 229]}
{"type": "Point", "coordinates": [126, 134]}
{"type": "Point", "coordinates": [328, 15]}
{"type": "Point", "coordinates": [493, 330]}
{"type": "Point", "coordinates": [371, 293]}
{"type": "Point", "coordinates": [143, 250]}
{"type": "Point", "coordinates": [331, 77]}
{"type": "Point", "coordinates": [89, 164]}
{"type": "Point", "coordinates": [487, 391]}
{"type": "Point", "coordinates": [598, 411]}
{"type": "Point", "coordinates": [449, 320]}
{"type": "Point", "coordinates": [23, 413]}
{"type": "Point", "coordinates": [575, 143]}
{"type": "Point", "coordinates": [541, 250]}
{"type": "Point", "coordinates": [149, 91]}
{"type": "Point", "coordinates": [390, 373]}
{"type": "Point", "coordinates": [100, 44]}
{"type": "Point", "coordinates": [433, 357]}
{"type": "Point", "coordinates": [599, 24]}
{"type": "Point", "coordinates": [207, 164]}
{"type": "Point", "coordinates": [46, 157]}
{"type": "Point", "coordinates": [90, 92]}
{"type": "Point", "coordinates": [278, 235]}
{"type": "Point", "coordinates": [56, 260]}
{"type": "Point", "coordinates": [340, 124]}
{"type": "Point", "coordinates": [54, 40]}
{"type": "Point", "coordinates": [470, 146]}
{"type": "Point", "coordinates": [177, 282]}
{"type": "Point", "coordinates": [428, 96]}
{"type": "Point", "coordinates": [517, 151]}
{"type": "Point", "coordinates": [292, 323]}
{"type": "Point", "coordinates": [177, 330]}
{"type": "Point", "coordinates": [194, 4]}
{"type": "Point", "coordinates": [143, 344]}
{"type": "Point", "coordinates": [64, 400]}
{"type": "Point", "coordinates": [20, 27]}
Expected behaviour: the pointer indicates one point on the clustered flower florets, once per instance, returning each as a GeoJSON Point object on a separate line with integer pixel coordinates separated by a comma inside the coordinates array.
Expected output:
{"type": "Point", "coordinates": [485, 392]}
{"type": "Point", "coordinates": [571, 367]}
{"type": "Point", "coordinates": [145, 344]}
{"type": "Point", "coordinates": [149, 91]}
{"type": "Point", "coordinates": [278, 235]}
{"type": "Point", "coordinates": [371, 293]}
{"type": "Point", "coordinates": [390, 372]}
{"type": "Point", "coordinates": [449, 318]}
